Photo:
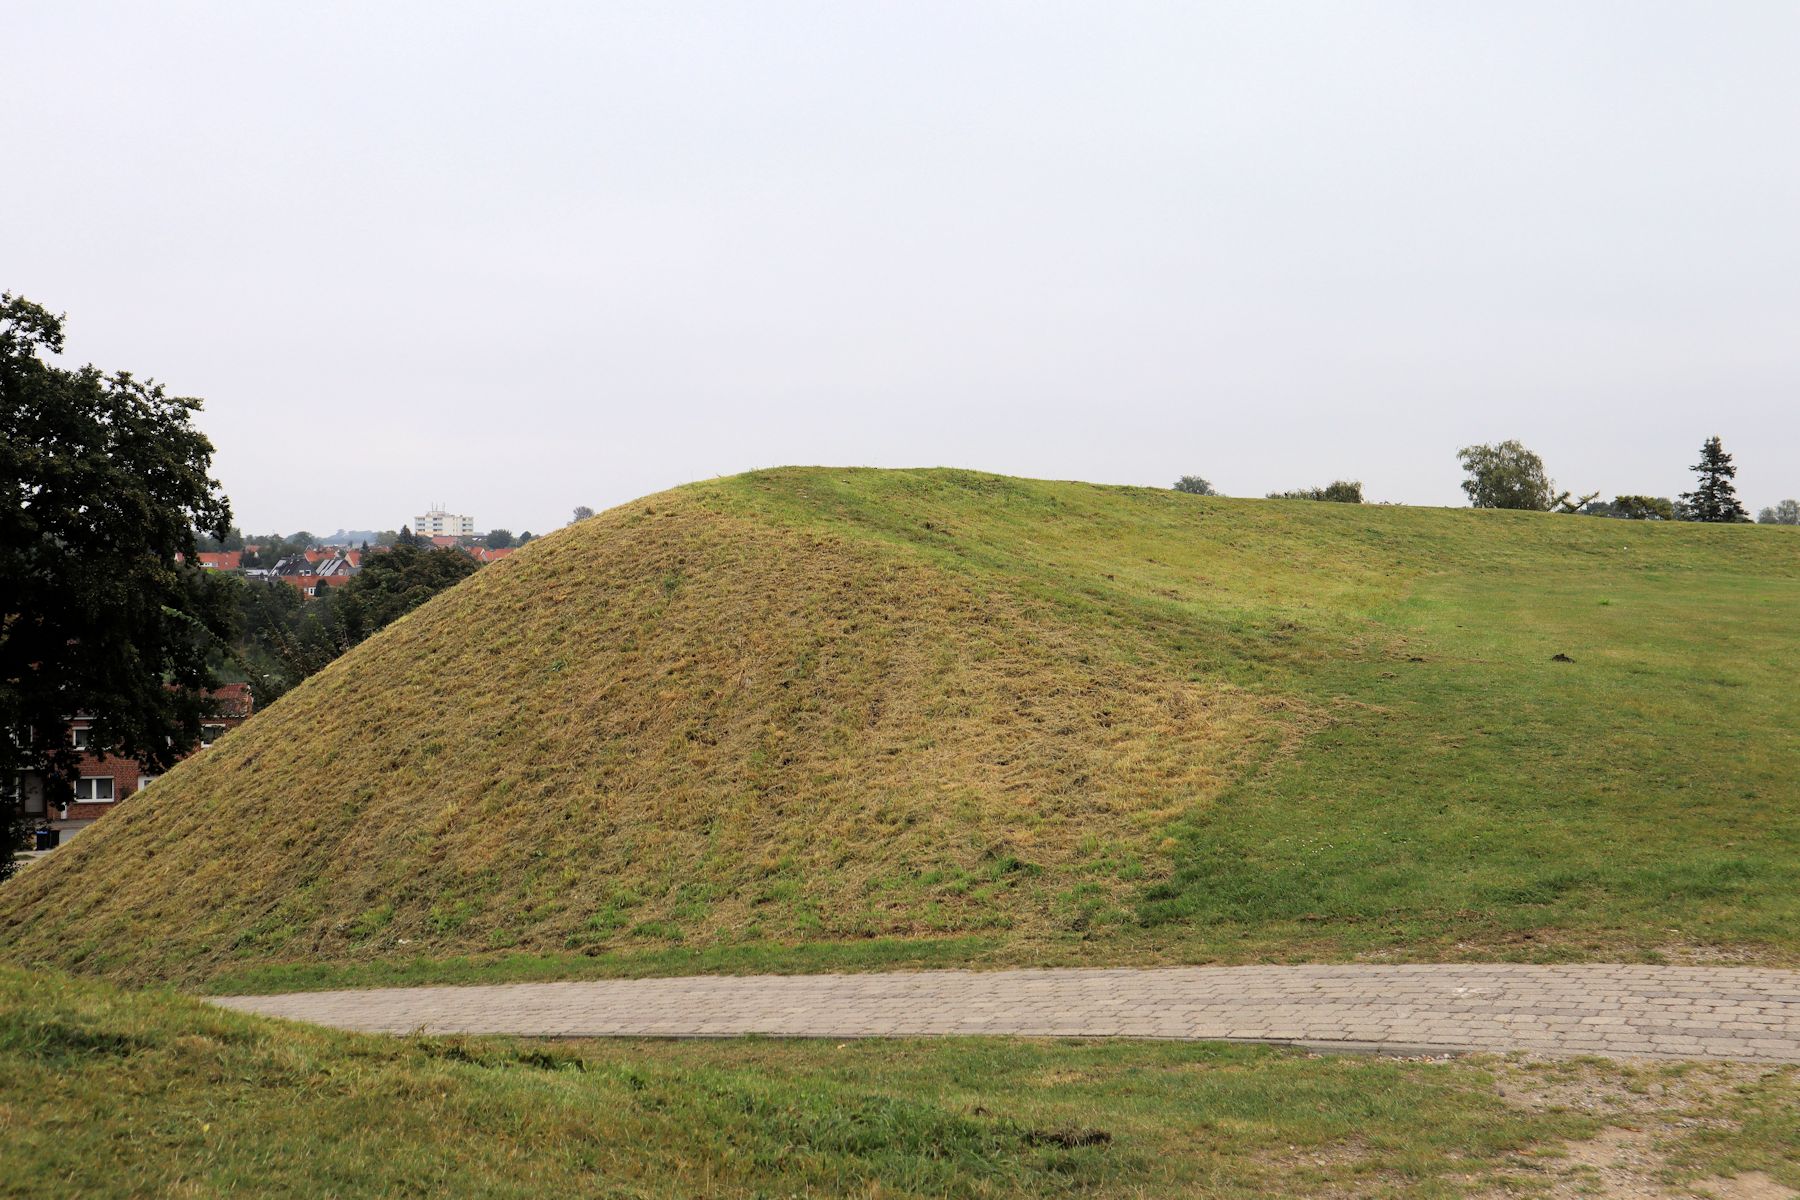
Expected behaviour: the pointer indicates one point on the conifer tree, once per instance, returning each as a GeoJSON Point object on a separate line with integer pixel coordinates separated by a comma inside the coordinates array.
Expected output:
{"type": "Point", "coordinates": [1713, 498]}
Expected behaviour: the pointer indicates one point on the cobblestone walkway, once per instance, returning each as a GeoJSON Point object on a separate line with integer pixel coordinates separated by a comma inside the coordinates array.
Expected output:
{"type": "Point", "coordinates": [1691, 1012]}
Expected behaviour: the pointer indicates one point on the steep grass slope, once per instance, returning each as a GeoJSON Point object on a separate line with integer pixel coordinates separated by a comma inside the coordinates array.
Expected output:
{"type": "Point", "coordinates": [1068, 721]}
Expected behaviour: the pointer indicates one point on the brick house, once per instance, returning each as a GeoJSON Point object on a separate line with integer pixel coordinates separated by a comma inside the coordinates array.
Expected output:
{"type": "Point", "coordinates": [107, 780]}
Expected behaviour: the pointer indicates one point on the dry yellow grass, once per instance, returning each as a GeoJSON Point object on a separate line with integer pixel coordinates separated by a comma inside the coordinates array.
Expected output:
{"type": "Point", "coordinates": [667, 722]}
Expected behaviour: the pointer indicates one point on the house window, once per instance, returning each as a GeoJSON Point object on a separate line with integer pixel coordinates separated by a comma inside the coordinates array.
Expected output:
{"type": "Point", "coordinates": [81, 739]}
{"type": "Point", "coordinates": [94, 789]}
{"type": "Point", "coordinates": [210, 734]}
{"type": "Point", "coordinates": [145, 781]}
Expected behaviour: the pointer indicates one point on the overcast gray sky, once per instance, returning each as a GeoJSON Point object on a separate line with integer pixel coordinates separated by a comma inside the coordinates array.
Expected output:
{"type": "Point", "coordinates": [519, 257]}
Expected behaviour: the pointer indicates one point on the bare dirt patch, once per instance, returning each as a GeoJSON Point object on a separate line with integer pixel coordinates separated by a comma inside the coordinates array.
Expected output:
{"type": "Point", "coordinates": [1652, 1111]}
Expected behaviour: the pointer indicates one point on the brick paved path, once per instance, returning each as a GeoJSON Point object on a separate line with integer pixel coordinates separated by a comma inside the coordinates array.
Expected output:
{"type": "Point", "coordinates": [1696, 1012]}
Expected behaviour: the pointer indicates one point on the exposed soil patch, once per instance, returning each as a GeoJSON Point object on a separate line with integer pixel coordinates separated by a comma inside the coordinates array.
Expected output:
{"type": "Point", "coordinates": [1652, 1111]}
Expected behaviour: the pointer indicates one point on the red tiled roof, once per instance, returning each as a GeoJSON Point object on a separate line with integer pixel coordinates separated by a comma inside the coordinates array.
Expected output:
{"type": "Point", "coordinates": [222, 560]}
{"type": "Point", "coordinates": [314, 581]}
{"type": "Point", "coordinates": [236, 698]}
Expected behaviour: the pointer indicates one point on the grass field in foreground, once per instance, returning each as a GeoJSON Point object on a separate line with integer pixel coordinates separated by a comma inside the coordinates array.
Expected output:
{"type": "Point", "coordinates": [106, 1092]}
{"type": "Point", "coordinates": [841, 718]}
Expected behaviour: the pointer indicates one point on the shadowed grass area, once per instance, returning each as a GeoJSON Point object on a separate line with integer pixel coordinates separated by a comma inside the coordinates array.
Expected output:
{"type": "Point", "coordinates": [105, 1092]}
{"type": "Point", "coordinates": [801, 719]}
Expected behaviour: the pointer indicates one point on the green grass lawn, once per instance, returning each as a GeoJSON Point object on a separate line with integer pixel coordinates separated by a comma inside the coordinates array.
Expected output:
{"type": "Point", "coordinates": [1474, 796]}
{"type": "Point", "coordinates": [106, 1092]}
{"type": "Point", "coordinates": [815, 719]}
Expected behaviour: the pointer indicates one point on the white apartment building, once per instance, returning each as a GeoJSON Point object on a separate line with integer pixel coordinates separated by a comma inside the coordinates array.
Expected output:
{"type": "Point", "coordinates": [437, 521]}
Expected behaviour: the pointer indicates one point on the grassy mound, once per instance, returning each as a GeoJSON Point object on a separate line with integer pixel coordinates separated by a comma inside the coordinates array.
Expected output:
{"type": "Point", "coordinates": [105, 1092]}
{"type": "Point", "coordinates": [1056, 721]}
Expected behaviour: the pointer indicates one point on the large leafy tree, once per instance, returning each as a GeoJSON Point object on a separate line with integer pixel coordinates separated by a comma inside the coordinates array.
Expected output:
{"type": "Point", "coordinates": [1714, 498]}
{"type": "Point", "coordinates": [1506, 475]}
{"type": "Point", "coordinates": [103, 483]}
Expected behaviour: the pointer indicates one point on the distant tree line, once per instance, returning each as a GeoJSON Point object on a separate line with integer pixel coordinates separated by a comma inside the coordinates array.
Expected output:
{"type": "Point", "coordinates": [1507, 475]}
{"type": "Point", "coordinates": [271, 548]}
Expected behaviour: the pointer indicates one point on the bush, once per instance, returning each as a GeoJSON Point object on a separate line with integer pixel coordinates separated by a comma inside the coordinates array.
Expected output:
{"type": "Point", "coordinates": [1338, 491]}
{"type": "Point", "coordinates": [1194, 486]}
{"type": "Point", "coordinates": [1643, 508]}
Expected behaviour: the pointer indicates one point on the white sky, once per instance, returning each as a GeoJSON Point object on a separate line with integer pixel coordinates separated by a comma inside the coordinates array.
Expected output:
{"type": "Point", "coordinates": [519, 257]}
